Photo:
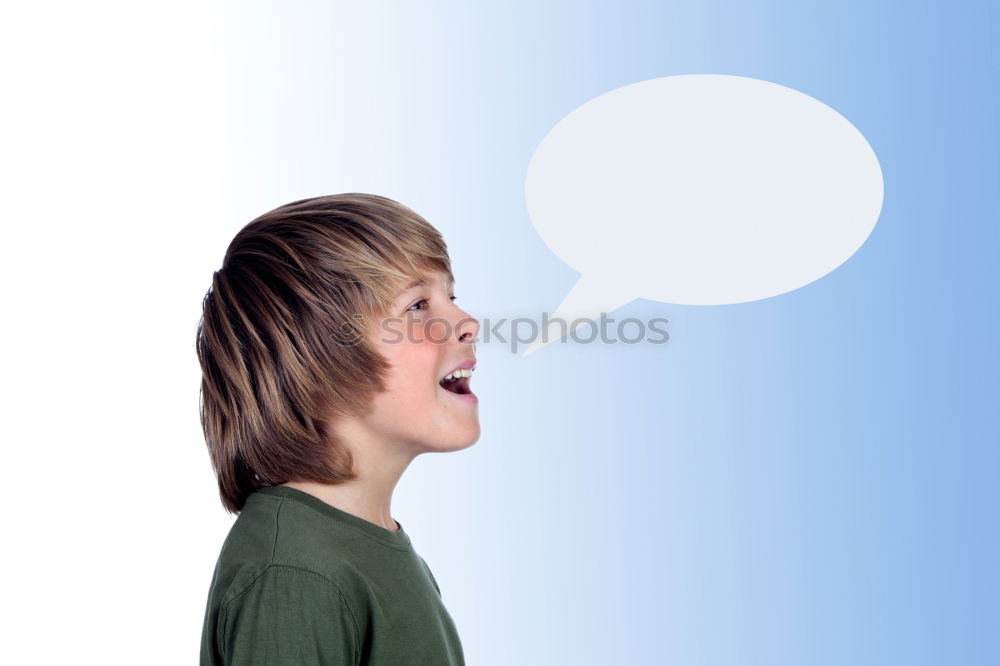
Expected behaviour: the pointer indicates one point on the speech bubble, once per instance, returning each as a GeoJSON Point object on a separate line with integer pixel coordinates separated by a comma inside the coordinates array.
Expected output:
{"type": "Point", "coordinates": [700, 189]}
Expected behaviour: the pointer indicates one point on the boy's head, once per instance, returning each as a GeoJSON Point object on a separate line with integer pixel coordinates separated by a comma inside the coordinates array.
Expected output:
{"type": "Point", "coordinates": [309, 326]}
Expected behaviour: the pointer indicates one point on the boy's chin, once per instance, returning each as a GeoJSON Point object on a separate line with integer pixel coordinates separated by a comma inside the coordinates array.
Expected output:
{"type": "Point", "coordinates": [457, 443]}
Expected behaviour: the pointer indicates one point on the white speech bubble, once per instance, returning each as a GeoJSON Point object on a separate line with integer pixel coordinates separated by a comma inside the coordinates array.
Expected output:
{"type": "Point", "coordinates": [699, 189]}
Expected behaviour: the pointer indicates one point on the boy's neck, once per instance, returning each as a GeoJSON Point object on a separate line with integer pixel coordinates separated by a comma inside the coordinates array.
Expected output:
{"type": "Point", "coordinates": [368, 497]}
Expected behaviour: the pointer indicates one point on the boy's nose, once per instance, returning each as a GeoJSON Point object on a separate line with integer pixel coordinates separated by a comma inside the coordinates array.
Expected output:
{"type": "Point", "coordinates": [467, 329]}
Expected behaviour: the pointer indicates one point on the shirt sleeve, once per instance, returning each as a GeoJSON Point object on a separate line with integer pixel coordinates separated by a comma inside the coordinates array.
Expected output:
{"type": "Point", "coordinates": [289, 616]}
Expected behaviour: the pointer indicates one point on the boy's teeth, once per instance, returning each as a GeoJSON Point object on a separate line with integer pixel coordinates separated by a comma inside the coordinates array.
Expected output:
{"type": "Point", "coordinates": [458, 373]}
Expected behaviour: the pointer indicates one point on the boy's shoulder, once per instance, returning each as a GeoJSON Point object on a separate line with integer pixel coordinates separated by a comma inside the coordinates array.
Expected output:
{"type": "Point", "coordinates": [283, 528]}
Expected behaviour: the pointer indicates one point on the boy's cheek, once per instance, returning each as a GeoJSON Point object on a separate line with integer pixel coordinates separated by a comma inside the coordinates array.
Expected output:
{"type": "Point", "coordinates": [414, 331]}
{"type": "Point", "coordinates": [437, 332]}
{"type": "Point", "coordinates": [422, 332]}
{"type": "Point", "coordinates": [396, 331]}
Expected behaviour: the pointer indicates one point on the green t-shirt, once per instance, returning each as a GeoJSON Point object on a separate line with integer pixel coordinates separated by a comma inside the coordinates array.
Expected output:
{"type": "Point", "coordinates": [301, 582]}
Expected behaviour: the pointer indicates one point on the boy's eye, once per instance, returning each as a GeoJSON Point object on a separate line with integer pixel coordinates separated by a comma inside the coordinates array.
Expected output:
{"type": "Point", "coordinates": [424, 300]}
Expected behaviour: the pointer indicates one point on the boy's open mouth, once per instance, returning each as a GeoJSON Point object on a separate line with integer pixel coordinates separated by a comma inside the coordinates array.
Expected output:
{"type": "Point", "coordinates": [459, 385]}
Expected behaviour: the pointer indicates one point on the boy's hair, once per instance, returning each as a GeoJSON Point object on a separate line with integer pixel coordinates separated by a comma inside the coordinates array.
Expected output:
{"type": "Point", "coordinates": [281, 339]}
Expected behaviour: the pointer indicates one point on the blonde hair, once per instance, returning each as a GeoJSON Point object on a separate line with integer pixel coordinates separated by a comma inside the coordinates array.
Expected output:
{"type": "Point", "coordinates": [281, 350]}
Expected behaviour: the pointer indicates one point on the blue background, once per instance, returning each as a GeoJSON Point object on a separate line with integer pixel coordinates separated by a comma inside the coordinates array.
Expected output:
{"type": "Point", "coordinates": [807, 479]}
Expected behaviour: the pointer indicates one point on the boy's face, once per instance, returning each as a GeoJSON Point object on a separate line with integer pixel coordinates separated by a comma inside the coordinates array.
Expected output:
{"type": "Point", "coordinates": [424, 338]}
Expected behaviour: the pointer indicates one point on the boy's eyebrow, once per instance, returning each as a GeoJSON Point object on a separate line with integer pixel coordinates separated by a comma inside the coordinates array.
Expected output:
{"type": "Point", "coordinates": [421, 283]}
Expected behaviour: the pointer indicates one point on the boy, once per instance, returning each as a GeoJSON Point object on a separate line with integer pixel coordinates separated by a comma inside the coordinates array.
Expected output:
{"type": "Point", "coordinates": [332, 355]}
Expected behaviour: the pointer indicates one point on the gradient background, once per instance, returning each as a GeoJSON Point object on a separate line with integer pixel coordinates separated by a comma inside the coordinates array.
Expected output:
{"type": "Point", "coordinates": [807, 479]}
